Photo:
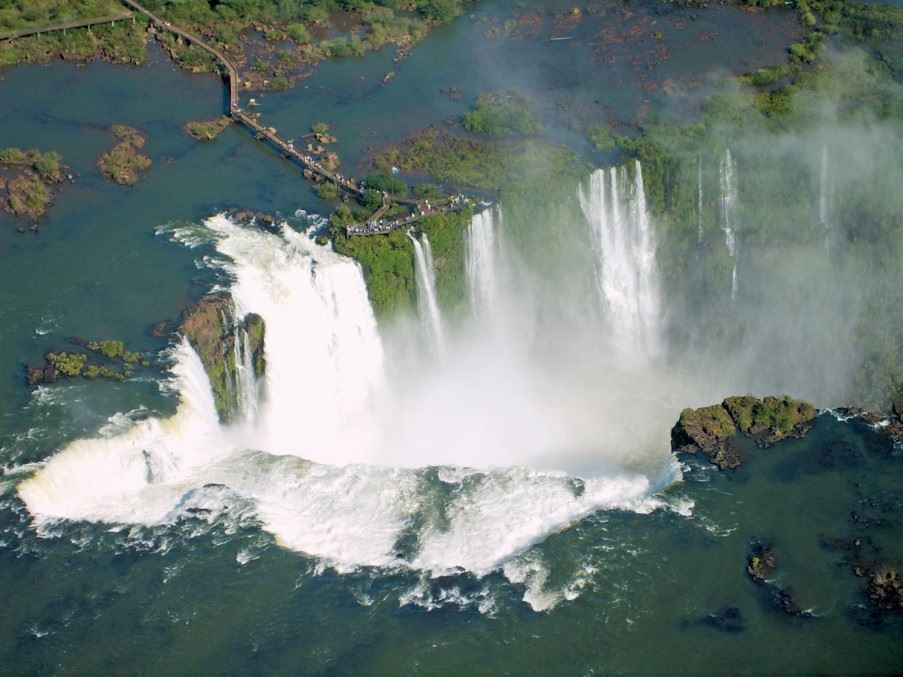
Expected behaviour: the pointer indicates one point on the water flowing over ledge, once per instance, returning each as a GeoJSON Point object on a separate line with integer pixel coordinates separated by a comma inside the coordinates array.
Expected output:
{"type": "Point", "coordinates": [322, 449]}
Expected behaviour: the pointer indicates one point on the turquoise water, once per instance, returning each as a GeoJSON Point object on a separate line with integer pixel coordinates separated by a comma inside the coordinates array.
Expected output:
{"type": "Point", "coordinates": [614, 591]}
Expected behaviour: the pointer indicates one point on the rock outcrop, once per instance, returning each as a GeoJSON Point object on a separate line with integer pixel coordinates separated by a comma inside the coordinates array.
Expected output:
{"type": "Point", "coordinates": [212, 329]}
{"type": "Point", "coordinates": [712, 429]}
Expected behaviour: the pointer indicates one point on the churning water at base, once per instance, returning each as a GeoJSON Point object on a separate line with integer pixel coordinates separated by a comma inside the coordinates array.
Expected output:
{"type": "Point", "coordinates": [321, 461]}
{"type": "Point", "coordinates": [614, 205]}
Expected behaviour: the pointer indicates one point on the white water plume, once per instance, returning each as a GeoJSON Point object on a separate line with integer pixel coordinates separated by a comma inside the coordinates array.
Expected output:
{"type": "Point", "coordinates": [336, 462]}
{"type": "Point", "coordinates": [728, 202]}
{"type": "Point", "coordinates": [621, 230]}
{"type": "Point", "coordinates": [428, 306]}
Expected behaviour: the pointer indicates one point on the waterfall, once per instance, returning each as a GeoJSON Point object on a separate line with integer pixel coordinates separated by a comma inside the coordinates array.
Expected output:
{"type": "Point", "coordinates": [627, 278]}
{"type": "Point", "coordinates": [247, 392]}
{"type": "Point", "coordinates": [699, 199]}
{"type": "Point", "coordinates": [728, 181]}
{"type": "Point", "coordinates": [825, 195]}
{"type": "Point", "coordinates": [428, 306]}
{"type": "Point", "coordinates": [481, 259]}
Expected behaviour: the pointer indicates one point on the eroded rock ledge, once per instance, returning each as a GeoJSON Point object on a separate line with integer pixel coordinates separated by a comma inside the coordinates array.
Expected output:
{"type": "Point", "coordinates": [212, 329]}
{"type": "Point", "coordinates": [712, 429]}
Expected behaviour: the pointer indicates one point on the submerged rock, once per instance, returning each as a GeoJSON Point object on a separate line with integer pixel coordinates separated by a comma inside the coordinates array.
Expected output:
{"type": "Point", "coordinates": [712, 429]}
{"type": "Point", "coordinates": [212, 329]}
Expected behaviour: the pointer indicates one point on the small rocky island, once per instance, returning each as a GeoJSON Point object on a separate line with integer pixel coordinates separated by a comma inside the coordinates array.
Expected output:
{"type": "Point", "coordinates": [107, 359]}
{"type": "Point", "coordinates": [711, 430]}
{"type": "Point", "coordinates": [206, 130]}
{"type": "Point", "coordinates": [123, 164]}
{"type": "Point", "coordinates": [28, 178]}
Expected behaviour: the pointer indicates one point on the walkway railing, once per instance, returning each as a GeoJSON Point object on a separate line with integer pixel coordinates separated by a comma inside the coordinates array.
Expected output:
{"type": "Point", "coordinates": [81, 23]}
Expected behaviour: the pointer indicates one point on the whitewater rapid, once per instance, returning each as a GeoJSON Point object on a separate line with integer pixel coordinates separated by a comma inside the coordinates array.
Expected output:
{"type": "Point", "coordinates": [335, 462]}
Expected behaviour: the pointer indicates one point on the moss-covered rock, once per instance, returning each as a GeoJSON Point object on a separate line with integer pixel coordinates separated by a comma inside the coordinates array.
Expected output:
{"type": "Point", "coordinates": [712, 429]}
{"type": "Point", "coordinates": [211, 328]}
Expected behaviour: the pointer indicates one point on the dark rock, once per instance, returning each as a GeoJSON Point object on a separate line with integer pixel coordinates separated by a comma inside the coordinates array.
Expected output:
{"type": "Point", "coordinates": [783, 597]}
{"type": "Point", "coordinates": [38, 374]}
{"type": "Point", "coordinates": [761, 563]}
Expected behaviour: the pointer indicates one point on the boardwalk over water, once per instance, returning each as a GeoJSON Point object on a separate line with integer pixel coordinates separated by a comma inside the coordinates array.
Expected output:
{"type": "Point", "coordinates": [375, 226]}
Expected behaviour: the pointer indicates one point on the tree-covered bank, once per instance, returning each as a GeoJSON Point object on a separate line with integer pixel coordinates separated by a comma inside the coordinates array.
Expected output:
{"type": "Point", "coordinates": [388, 262]}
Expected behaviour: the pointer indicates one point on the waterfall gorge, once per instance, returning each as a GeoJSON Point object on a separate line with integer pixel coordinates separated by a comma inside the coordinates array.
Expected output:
{"type": "Point", "coordinates": [340, 451]}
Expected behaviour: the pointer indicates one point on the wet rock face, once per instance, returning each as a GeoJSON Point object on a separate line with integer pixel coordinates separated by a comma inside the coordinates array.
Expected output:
{"type": "Point", "coordinates": [712, 429]}
{"type": "Point", "coordinates": [211, 328]}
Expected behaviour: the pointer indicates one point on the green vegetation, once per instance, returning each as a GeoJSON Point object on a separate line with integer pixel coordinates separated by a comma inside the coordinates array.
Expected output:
{"type": "Point", "coordinates": [207, 130]}
{"type": "Point", "coordinates": [124, 42]}
{"type": "Point", "coordinates": [47, 165]}
{"type": "Point", "coordinates": [25, 14]}
{"type": "Point", "coordinates": [386, 183]}
{"type": "Point", "coordinates": [501, 114]}
{"type": "Point", "coordinates": [388, 262]}
{"type": "Point", "coordinates": [67, 363]}
{"type": "Point", "coordinates": [28, 196]}
{"type": "Point", "coordinates": [778, 416]}
{"type": "Point", "coordinates": [113, 350]}
{"type": "Point", "coordinates": [601, 137]}
{"type": "Point", "coordinates": [388, 265]}
{"type": "Point", "coordinates": [25, 174]}
{"type": "Point", "coordinates": [124, 164]}
{"type": "Point", "coordinates": [328, 190]}
{"type": "Point", "coordinates": [118, 363]}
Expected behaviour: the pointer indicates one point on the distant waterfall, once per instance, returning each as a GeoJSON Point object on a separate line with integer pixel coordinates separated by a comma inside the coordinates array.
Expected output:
{"type": "Point", "coordinates": [430, 314]}
{"type": "Point", "coordinates": [699, 200]}
{"type": "Point", "coordinates": [729, 199]}
{"type": "Point", "coordinates": [621, 229]}
{"type": "Point", "coordinates": [481, 259]}
{"type": "Point", "coordinates": [825, 194]}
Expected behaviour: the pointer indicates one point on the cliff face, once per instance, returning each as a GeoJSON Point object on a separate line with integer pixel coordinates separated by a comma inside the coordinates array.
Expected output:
{"type": "Point", "coordinates": [712, 429]}
{"type": "Point", "coordinates": [211, 328]}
